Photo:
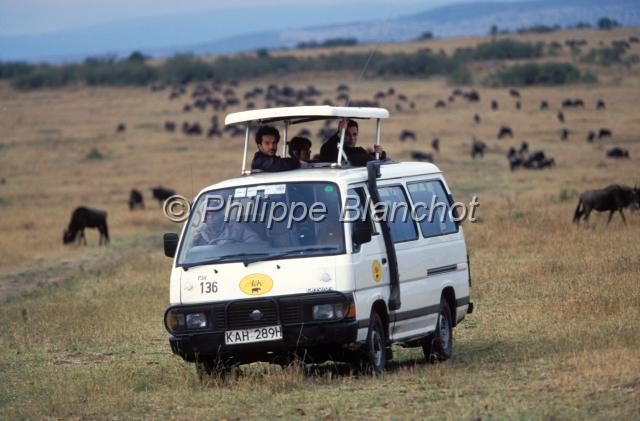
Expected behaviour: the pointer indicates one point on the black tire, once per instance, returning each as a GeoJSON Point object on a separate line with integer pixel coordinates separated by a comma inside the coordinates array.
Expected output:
{"type": "Point", "coordinates": [439, 345]}
{"type": "Point", "coordinates": [210, 367]}
{"type": "Point", "coordinates": [375, 357]}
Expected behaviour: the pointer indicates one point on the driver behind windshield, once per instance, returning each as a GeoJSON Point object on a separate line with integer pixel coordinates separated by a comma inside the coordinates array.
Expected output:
{"type": "Point", "coordinates": [216, 231]}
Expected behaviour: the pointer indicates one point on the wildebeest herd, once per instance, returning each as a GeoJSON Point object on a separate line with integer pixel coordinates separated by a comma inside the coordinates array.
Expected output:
{"type": "Point", "coordinates": [219, 97]}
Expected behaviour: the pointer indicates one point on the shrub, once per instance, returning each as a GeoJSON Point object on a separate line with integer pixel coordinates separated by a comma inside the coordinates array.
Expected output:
{"type": "Point", "coordinates": [551, 73]}
{"type": "Point", "coordinates": [94, 155]}
{"type": "Point", "coordinates": [505, 49]}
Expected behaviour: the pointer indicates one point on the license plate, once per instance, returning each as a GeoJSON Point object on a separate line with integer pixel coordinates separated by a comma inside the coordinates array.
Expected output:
{"type": "Point", "coordinates": [256, 334]}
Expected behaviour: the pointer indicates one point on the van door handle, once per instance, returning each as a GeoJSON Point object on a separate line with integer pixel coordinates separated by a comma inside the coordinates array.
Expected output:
{"type": "Point", "coordinates": [384, 260]}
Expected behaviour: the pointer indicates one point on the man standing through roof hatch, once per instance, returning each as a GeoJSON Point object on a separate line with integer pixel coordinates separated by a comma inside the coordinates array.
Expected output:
{"type": "Point", "coordinates": [265, 158]}
{"type": "Point", "coordinates": [356, 155]}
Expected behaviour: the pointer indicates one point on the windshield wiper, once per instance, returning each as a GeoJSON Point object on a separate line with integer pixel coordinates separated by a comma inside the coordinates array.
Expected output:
{"type": "Point", "coordinates": [186, 266]}
{"type": "Point", "coordinates": [290, 252]}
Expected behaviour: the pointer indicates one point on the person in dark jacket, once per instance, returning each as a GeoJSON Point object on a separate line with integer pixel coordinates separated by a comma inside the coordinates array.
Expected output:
{"type": "Point", "coordinates": [300, 149]}
{"type": "Point", "coordinates": [265, 158]}
{"type": "Point", "coordinates": [356, 155]}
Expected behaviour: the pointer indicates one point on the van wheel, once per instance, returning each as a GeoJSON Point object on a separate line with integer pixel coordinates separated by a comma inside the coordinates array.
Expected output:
{"type": "Point", "coordinates": [375, 357]}
{"type": "Point", "coordinates": [439, 345]}
{"type": "Point", "coordinates": [210, 367]}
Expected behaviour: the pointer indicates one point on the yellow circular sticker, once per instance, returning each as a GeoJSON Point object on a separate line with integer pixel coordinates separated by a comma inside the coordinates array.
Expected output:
{"type": "Point", "coordinates": [256, 284]}
{"type": "Point", "coordinates": [376, 271]}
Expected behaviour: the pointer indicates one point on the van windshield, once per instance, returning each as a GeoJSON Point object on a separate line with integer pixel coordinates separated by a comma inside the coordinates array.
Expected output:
{"type": "Point", "coordinates": [262, 222]}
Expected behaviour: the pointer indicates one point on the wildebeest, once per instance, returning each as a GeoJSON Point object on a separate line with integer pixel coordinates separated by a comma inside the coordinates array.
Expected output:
{"type": "Point", "coordinates": [120, 128]}
{"type": "Point", "coordinates": [435, 144]}
{"type": "Point", "coordinates": [524, 148]}
{"type": "Point", "coordinates": [406, 135]}
{"type": "Point", "coordinates": [617, 153]}
{"type": "Point", "coordinates": [477, 148]}
{"type": "Point", "coordinates": [505, 131]}
{"type": "Point", "coordinates": [560, 116]}
{"type": "Point", "coordinates": [591, 136]}
{"type": "Point", "coordinates": [421, 156]}
{"type": "Point", "coordinates": [514, 93]}
{"type": "Point", "coordinates": [83, 217]}
{"type": "Point", "coordinates": [440, 104]}
{"type": "Point", "coordinates": [602, 133]}
{"type": "Point", "coordinates": [494, 105]}
{"type": "Point", "coordinates": [135, 199]}
{"type": "Point", "coordinates": [564, 134]}
{"type": "Point", "coordinates": [170, 126]}
{"type": "Point", "coordinates": [518, 105]}
{"type": "Point", "coordinates": [162, 193]}
{"type": "Point", "coordinates": [476, 118]}
{"type": "Point", "coordinates": [600, 105]}
{"type": "Point", "coordinates": [544, 105]}
{"type": "Point", "coordinates": [612, 198]}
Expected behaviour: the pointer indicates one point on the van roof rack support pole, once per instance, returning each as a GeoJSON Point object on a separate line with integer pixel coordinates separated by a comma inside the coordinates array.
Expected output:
{"type": "Point", "coordinates": [340, 148]}
{"type": "Point", "coordinates": [377, 136]}
{"type": "Point", "coordinates": [246, 146]}
{"type": "Point", "coordinates": [285, 144]}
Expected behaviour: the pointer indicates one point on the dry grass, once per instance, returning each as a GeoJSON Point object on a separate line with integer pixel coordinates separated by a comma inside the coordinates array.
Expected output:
{"type": "Point", "coordinates": [556, 332]}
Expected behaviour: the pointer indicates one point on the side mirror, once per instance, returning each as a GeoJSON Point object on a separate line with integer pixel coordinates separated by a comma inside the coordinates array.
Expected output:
{"type": "Point", "coordinates": [361, 232]}
{"type": "Point", "coordinates": [170, 244]}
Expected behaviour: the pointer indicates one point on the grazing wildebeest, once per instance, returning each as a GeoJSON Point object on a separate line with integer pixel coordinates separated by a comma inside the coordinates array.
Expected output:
{"type": "Point", "coordinates": [514, 93]}
{"type": "Point", "coordinates": [591, 136]}
{"type": "Point", "coordinates": [505, 131]}
{"type": "Point", "coordinates": [186, 108]}
{"type": "Point", "coordinates": [402, 97]}
{"type": "Point", "coordinates": [564, 134]}
{"type": "Point", "coordinates": [544, 105]}
{"type": "Point", "coordinates": [600, 105]}
{"type": "Point", "coordinates": [476, 118]}
{"type": "Point", "coordinates": [135, 199]}
{"type": "Point", "coordinates": [472, 96]}
{"type": "Point", "coordinates": [170, 126]}
{"type": "Point", "coordinates": [617, 153]}
{"type": "Point", "coordinates": [602, 133]}
{"type": "Point", "coordinates": [560, 116]}
{"type": "Point", "coordinates": [421, 156]}
{"type": "Point", "coordinates": [435, 144]}
{"type": "Point", "coordinates": [162, 193]}
{"type": "Point", "coordinates": [82, 218]}
{"type": "Point", "coordinates": [612, 198]}
{"type": "Point", "coordinates": [406, 135]}
{"type": "Point", "coordinates": [477, 148]}
{"type": "Point", "coordinates": [440, 104]}
{"type": "Point", "coordinates": [494, 104]}
{"type": "Point", "coordinates": [120, 128]}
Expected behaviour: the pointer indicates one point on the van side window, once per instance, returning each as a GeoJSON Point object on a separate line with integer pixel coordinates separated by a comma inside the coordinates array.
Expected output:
{"type": "Point", "coordinates": [398, 216]}
{"type": "Point", "coordinates": [432, 208]}
{"type": "Point", "coordinates": [357, 196]}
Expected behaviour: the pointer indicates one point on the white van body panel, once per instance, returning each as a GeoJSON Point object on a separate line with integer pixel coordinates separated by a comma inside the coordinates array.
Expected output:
{"type": "Point", "coordinates": [351, 272]}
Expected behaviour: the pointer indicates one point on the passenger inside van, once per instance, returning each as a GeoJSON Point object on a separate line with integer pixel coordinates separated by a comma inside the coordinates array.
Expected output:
{"type": "Point", "coordinates": [216, 231]}
{"type": "Point", "coordinates": [356, 155]}
{"type": "Point", "coordinates": [265, 158]}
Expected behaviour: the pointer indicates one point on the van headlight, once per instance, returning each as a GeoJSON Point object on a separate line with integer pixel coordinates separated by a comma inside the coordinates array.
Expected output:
{"type": "Point", "coordinates": [177, 322]}
{"type": "Point", "coordinates": [196, 321]}
{"type": "Point", "coordinates": [330, 311]}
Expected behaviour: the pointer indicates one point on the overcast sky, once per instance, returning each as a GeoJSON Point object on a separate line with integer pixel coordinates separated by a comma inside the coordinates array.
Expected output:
{"type": "Point", "coordinates": [22, 17]}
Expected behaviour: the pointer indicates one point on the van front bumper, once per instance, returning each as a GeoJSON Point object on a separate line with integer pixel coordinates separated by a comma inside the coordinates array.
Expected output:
{"type": "Point", "coordinates": [301, 334]}
{"type": "Point", "coordinates": [295, 340]}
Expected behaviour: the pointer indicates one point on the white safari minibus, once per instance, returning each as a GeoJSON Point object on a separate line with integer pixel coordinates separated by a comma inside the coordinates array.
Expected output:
{"type": "Point", "coordinates": [331, 274]}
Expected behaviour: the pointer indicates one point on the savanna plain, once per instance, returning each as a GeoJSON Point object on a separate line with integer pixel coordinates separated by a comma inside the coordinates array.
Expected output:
{"type": "Point", "coordinates": [556, 329]}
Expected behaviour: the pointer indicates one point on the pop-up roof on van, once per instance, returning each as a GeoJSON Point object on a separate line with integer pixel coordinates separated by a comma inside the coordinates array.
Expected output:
{"type": "Point", "coordinates": [296, 115]}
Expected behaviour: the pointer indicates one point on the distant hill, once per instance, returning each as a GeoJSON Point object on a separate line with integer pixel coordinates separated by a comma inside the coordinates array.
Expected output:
{"type": "Point", "coordinates": [167, 36]}
{"type": "Point", "coordinates": [443, 22]}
